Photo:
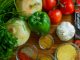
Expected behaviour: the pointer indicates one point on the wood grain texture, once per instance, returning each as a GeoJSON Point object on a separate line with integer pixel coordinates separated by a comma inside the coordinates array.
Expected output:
{"type": "Point", "coordinates": [33, 40]}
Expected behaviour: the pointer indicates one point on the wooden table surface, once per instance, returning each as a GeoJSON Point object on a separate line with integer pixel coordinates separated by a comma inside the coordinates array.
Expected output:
{"type": "Point", "coordinates": [33, 40]}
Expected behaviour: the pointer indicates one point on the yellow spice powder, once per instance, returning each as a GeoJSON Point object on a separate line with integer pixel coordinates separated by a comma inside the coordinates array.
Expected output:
{"type": "Point", "coordinates": [66, 52]}
{"type": "Point", "coordinates": [45, 42]}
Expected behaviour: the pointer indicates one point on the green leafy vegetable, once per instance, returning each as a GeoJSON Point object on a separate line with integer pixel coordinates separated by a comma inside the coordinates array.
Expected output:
{"type": "Point", "coordinates": [7, 43]}
{"type": "Point", "coordinates": [6, 5]}
{"type": "Point", "coordinates": [7, 10]}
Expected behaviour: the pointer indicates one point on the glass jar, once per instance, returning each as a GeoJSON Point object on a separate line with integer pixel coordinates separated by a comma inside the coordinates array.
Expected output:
{"type": "Point", "coordinates": [66, 53]}
{"type": "Point", "coordinates": [27, 52]}
{"type": "Point", "coordinates": [46, 42]}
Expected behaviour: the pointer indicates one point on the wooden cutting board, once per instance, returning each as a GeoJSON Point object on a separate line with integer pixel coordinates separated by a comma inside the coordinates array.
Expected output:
{"type": "Point", "coordinates": [33, 40]}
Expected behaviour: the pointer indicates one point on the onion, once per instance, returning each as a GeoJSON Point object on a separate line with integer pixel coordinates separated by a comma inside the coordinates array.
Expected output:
{"type": "Point", "coordinates": [19, 29]}
{"type": "Point", "coordinates": [28, 7]}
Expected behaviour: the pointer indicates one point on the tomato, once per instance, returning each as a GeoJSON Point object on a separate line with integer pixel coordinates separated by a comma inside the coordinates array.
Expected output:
{"type": "Point", "coordinates": [65, 1]}
{"type": "Point", "coordinates": [55, 16]}
{"type": "Point", "coordinates": [77, 42]}
{"type": "Point", "coordinates": [48, 4]}
{"type": "Point", "coordinates": [78, 1]}
{"type": "Point", "coordinates": [66, 6]}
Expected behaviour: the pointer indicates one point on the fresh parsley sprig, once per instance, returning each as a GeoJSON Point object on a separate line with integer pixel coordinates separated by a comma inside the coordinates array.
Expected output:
{"type": "Point", "coordinates": [7, 43]}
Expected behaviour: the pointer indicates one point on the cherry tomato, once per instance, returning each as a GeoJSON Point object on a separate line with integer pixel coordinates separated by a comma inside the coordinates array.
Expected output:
{"type": "Point", "coordinates": [77, 42]}
{"type": "Point", "coordinates": [48, 4]}
{"type": "Point", "coordinates": [66, 6]}
{"type": "Point", "coordinates": [55, 16]}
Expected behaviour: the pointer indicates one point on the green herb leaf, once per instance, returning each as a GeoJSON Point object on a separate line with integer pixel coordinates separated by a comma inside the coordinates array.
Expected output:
{"type": "Point", "coordinates": [7, 43]}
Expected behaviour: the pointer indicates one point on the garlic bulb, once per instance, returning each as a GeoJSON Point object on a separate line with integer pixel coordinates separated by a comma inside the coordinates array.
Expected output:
{"type": "Point", "coordinates": [65, 31]}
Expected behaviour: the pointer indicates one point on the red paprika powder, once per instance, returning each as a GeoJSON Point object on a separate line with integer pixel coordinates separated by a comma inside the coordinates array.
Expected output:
{"type": "Point", "coordinates": [27, 52]}
{"type": "Point", "coordinates": [23, 56]}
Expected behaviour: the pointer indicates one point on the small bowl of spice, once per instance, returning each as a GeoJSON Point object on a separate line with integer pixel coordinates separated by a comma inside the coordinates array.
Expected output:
{"type": "Point", "coordinates": [27, 52]}
{"type": "Point", "coordinates": [46, 42]}
{"type": "Point", "coordinates": [67, 51]}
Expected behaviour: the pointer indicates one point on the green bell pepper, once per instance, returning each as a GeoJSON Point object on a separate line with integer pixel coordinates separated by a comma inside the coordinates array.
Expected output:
{"type": "Point", "coordinates": [39, 22]}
